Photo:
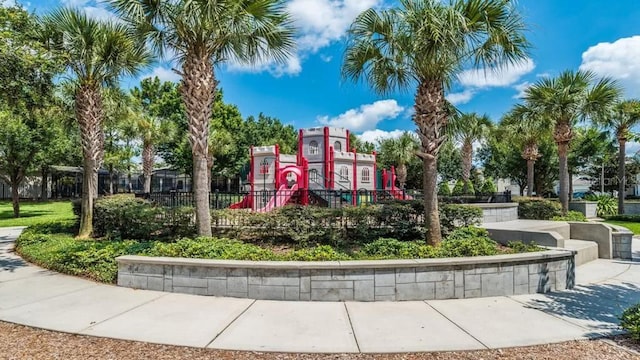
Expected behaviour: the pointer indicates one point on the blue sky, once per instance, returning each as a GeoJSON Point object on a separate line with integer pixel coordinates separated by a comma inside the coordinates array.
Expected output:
{"type": "Point", "coordinates": [602, 36]}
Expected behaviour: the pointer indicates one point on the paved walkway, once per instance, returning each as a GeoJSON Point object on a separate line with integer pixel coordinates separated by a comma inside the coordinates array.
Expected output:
{"type": "Point", "coordinates": [36, 297]}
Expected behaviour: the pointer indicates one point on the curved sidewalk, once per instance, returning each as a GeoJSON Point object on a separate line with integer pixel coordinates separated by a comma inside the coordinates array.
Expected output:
{"type": "Point", "coordinates": [36, 297]}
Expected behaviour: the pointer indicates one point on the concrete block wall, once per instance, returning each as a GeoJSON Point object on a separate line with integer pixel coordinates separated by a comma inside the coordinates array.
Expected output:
{"type": "Point", "coordinates": [588, 208]}
{"type": "Point", "coordinates": [354, 280]}
{"type": "Point", "coordinates": [621, 244]}
{"type": "Point", "coordinates": [492, 213]}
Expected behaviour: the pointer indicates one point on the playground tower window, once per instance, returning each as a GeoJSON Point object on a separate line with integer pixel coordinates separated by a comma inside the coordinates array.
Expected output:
{"type": "Point", "coordinates": [366, 175]}
{"type": "Point", "coordinates": [313, 175]}
{"type": "Point", "coordinates": [337, 146]}
{"type": "Point", "coordinates": [313, 148]}
{"type": "Point", "coordinates": [344, 173]}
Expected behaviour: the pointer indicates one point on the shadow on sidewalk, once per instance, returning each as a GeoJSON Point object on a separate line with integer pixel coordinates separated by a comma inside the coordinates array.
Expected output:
{"type": "Point", "coordinates": [599, 304]}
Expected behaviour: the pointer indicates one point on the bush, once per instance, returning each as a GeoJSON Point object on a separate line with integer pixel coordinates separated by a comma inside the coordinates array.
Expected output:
{"type": "Point", "coordinates": [468, 241]}
{"type": "Point", "coordinates": [625, 217]}
{"type": "Point", "coordinates": [571, 216]}
{"type": "Point", "coordinates": [538, 209]}
{"type": "Point", "coordinates": [127, 217]}
{"type": "Point", "coordinates": [469, 189]}
{"type": "Point", "coordinates": [455, 216]}
{"type": "Point", "coordinates": [488, 188]}
{"type": "Point", "coordinates": [607, 205]}
{"type": "Point", "coordinates": [458, 189]}
{"type": "Point", "coordinates": [384, 248]}
{"type": "Point", "coordinates": [520, 247]}
{"type": "Point", "coordinates": [630, 321]}
{"type": "Point", "coordinates": [444, 189]}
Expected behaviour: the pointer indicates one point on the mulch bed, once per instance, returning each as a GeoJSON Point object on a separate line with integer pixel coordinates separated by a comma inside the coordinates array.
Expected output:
{"type": "Point", "coordinates": [23, 343]}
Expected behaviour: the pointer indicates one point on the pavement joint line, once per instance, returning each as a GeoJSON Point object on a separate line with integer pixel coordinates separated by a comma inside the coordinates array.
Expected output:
{"type": "Point", "coordinates": [33, 275]}
{"type": "Point", "coordinates": [51, 297]}
{"type": "Point", "coordinates": [546, 313]}
{"type": "Point", "coordinates": [353, 330]}
{"type": "Point", "coordinates": [123, 312]}
{"type": "Point", "coordinates": [456, 324]}
{"type": "Point", "coordinates": [230, 323]}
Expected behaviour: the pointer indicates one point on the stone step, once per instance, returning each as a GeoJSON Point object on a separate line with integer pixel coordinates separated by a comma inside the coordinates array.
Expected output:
{"type": "Point", "coordinates": [562, 228]}
{"type": "Point", "coordinates": [586, 250]}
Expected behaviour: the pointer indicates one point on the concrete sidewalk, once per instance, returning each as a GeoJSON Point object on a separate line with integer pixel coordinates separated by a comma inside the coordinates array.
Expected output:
{"type": "Point", "coordinates": [36, 297]}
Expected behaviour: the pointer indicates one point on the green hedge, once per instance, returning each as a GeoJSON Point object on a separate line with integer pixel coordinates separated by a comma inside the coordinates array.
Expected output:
{"type": "Point", "coordinates": [625, 217]}
{"type": "Point", "coordinates": [52, 246]}
{"type": "Point", "coordinates": [538, 209]}
{"type": "Point", "coordinates": [630, 321]}
{"type": "Point", "coordinates": [402, 220]}
{"type": "Point", "coordinates": [128, 217]}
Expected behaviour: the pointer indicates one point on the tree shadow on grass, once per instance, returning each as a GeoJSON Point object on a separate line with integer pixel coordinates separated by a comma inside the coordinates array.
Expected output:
{"type": "Point", "coordinates": [8, 214]}
{"type": "Point", "coordinates": [595, 307]}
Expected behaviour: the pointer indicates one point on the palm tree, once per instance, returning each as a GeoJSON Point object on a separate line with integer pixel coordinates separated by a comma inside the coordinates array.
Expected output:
{"type": "Point", "coordinates": [624, 116]}
{"type": "Point", "coordinates": [400, 151]}
{"type": "Point", "coordinates": [564, 100]}
{"type": "Point", "coordinates": [204, 34]}
{"type": "Point", "coordinates": [425, 44]}
{"type": "Point", "coordinates": [150, 130]}
{"type": "Point", "coordinates": [529, 132]}
{"type": "Point", "coordinates": [98, 53]}
{"type": "Point", "coordinates": [467, 129]}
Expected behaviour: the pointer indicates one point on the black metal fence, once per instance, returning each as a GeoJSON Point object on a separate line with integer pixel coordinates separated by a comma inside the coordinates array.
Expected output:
{"type": "Point", "coordinates": [267, 199]}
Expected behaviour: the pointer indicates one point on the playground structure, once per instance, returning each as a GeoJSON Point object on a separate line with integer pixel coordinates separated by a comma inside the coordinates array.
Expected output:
{"type": "Point", "coordinates": [323, 173]}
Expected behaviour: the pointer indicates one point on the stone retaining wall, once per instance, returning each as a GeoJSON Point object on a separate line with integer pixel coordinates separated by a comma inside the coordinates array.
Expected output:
{"type": "Point", "coordinates": [621, 239]}
{"type": "Point", "coordinates": [392, 280]}
{"type": "Point", "coordinates": [492, 213]}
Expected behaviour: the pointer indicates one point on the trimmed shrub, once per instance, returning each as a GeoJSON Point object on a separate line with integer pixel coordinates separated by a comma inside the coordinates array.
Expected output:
{"type": "Point", "coordinates": [468, 241]}
{"type": "Point", "coordinates": [127, 217]}
{"type": "Point", "coordinates": [538, 209]}
{"type": "Point", "coordinates": [625, 217]}
{"type": "Point", "coordinates": [630, 321]}
{"type": "Point", "coordinates": [488, 188]}
{"type": "Point", "coordinates": [520, 247]}
{"type": "Point", "coordinates": [444, 189]}
{"type": "Point", "coordinates": [607, 205]}
{"type": "Point", "coordinates": [454, 216]}
{"type": "Point", "coordinates": [469, 189]}
{"type": "Point", "coordinates": [385, 248]}
{"type": "Point", "coordinates": [458, 189]}
{"type": "Point", "coordinates": [571, 216]}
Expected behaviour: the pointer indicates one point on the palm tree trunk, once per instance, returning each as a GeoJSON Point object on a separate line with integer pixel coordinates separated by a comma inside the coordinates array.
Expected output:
{"type": "Point", "coordinates": [530, 174]}
{"type": "Point", "coordinates": [431, 119]}
{"type": "Point", "coordinates": [467, 159]}
{"type": "Point", "coordinates": [401, 173]}
{"type": "Point", "coordinates": [563, 149]}
{"type": "Point", "coordinates": [622, 182]}
{"type": "Point", "coordinates": [198, 90]}
{"type": "Point", "coordinates": [570, 185]}
{"type": "Point", "coordinates": [147, 165]}
{"type": "Point", "coordinates": [89, 115]}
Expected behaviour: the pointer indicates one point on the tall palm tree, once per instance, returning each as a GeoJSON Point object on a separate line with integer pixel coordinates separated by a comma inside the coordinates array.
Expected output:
{"type": "Point", "coordinates": [467, 129]}
{"type": "Point", "coordinates": [623, 117]}
{"type": "Point", "coordinates": [99, 53]}
{"type": "Point", "coordinates": [400, 151]}
{"type": "Point", "coordinates": [150, 130]}
{"type": "Point", "coordinates": [203, 34]}
{"type": "Point", "coordinates": [564, 100]}
{"type": "Point", "coordinates": [425, 44]}
{"type": "Point", "coordinates": [527, 131]}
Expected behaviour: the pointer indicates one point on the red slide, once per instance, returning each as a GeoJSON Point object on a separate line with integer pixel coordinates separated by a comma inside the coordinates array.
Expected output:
{"type": "Point", "coordinates": [245, 203]}
{"type": "Point", "coordinates": [281, 198]}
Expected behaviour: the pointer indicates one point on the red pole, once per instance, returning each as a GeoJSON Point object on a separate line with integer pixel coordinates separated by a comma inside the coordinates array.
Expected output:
{"type": "Point", "coordinates": [276, 168]}
{"type": "Point", "coordinates": [375, 177]}
{"type": "Point", "coordinates": [355, 178]}
{"type": "Point", "coordinates": [332, 169]}
{"type": "Point", "coordinates": [300, 146]}
{"type": "Point", "coordinates": [348, 141]}
{"type": "Point", "coordinates": [251, 175]}
{"type": "Point", "coordinates": [326, 156]}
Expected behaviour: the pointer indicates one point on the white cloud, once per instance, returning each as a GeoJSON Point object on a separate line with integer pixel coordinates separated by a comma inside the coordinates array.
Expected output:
{"type": "Point", "coordinates": [543, 75]}
{"type": "Point", "coordinates": [618, 60]}
{"type": "Point", "coordinates": [163, 74]}
{"type": "Point", "coordinates": [293, 66]}
{"type": "Point", "coordinates": [505, 76]}
{"type": "Point", "coordinates": [74, 3]}
{"type": "Point", "coordinates": [321, 22]}
{"type": "Point", "coordinates": [326, 58]}
{"type": "Point", "coordinates": [462, 97]}
{"type": "Point", "coordinates": [8, 3]}
{"type": "Point", "coordinates": [373, 136]}
{"type": "Point", "coordinates": [521, 88]}
{"type": "Point", "coordinates": [632, 148]}
{"type": "Point", "coordinates": [366, 117]}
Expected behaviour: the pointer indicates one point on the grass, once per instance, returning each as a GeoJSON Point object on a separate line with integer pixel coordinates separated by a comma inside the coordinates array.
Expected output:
{"type": "Point", "coordinates": [632, 226]}
{"type": "Point", "coordinates": [32, 213]}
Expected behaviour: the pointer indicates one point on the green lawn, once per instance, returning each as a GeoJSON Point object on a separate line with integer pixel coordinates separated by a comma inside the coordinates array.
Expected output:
{"type": "Point", "coordinates": [633, 226]}
{"type": "Point", "coordinates": [35, 212]}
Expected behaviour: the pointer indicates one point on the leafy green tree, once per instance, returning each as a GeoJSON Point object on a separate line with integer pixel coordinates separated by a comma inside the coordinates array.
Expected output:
{"type": "Point", "coordinates": [99, 53]}
{"type": "Point", "coordinates": [204, 34]}
{"type": "Point", "coordinates": [468, 129]}
{"type": "Point", "coordinates": [489, 187]}
{"type": "Point", "coordinates": [444, 189]}
{"type": "Point", "coordinates": [563, 101]}
{"type": "Point", "coordinates": [424, 44]}
{"type": "Point", "coordinates": [624, 116]}
{"type": "Point", "coordinates": [399, 152]}
{"type": "Point", "coordinates": [27, 69]}
{"type": "Point", "coordinates": [363, 147]}
{"type": "Point", "coordinates": [458, 189]}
